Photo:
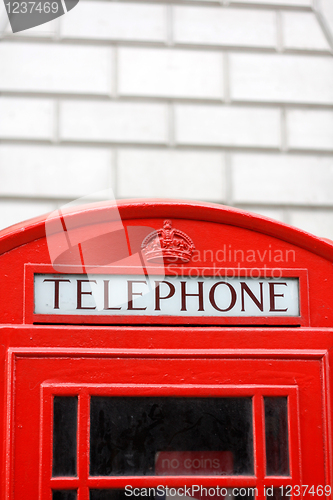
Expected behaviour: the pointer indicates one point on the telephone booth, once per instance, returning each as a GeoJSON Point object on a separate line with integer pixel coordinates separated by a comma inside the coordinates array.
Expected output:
{"type": "Point", "coordinates": [164, 350]}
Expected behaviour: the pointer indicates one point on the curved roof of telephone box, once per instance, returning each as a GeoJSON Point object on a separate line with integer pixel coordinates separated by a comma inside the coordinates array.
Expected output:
{"type": "Point", "coordinates": [32, 229]}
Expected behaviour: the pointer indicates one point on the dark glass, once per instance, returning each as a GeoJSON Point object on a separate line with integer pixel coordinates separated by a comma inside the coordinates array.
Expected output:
{"type": "Point", "coordinates": [276, 426]}
{"type": "Point", "coordinates": [273, 493]}
{"type": "Point", "coordinates": [64, 495]}
{"type": "Point", "coordinates": [154, 494]}
{"type": "Point", "coordinates": [132, 435]}
{"type": "Point", "coordinates": [64, 436]}
{"type": "Point", "coordinates": [108, 495]}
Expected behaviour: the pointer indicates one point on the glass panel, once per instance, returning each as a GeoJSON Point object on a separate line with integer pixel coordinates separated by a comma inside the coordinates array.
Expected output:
{"type": "Point", "coordinates": [64, 495]}
{"type": "Point", "coordinates": [179, 493]}
{"type": "Point", "coordinates": [276, 425]}
{"type": "Point", "coordinates": [64, 436]}
{"type": "Point", "coordinates": [273, 493]}
{"type": "Point", "coordinates": [171, 436]}
{"type": "Point", "coordinates": [108, 495]}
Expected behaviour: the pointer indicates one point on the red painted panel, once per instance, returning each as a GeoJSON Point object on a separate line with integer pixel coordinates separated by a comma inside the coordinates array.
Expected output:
{"type": "Point", "coordinates": [150, 359]}
{"type": "Point", "coordinates": [140, 376]}
{"type": "Point", "coordinates": [224, 240]}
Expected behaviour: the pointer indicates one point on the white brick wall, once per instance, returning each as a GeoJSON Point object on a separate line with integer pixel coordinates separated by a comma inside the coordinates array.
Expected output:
{"type": "Point", "coordinates": [216, 26]}
{"type": "Point", "coordinates": [278, 3]}
{"type": "Point", "coordinates": [310, 129]}
{"type": "Point", "coordinates": [22, 118]}
{"type": "Point", "coordinates": [301, 30]}
{"type": "Point", "coordinates": [114, 121]}
{"type": "Point", "coordinates": [54, 172]}
{"type": "Point", "coordinates": [282, 78]}
{"type": "Point", "coordinates": [40, 67]}
{"type": "Point", "coordinates": [16, 210]}
{"type": "Point", "coordinates": [325, 8]}
{"type": "Point", "coordinates": [227, 126]}
{"type": "Point", "coordinates": [115, 21]}
{"type": "Point", "coordinates": [170, 73]}
{"type": "Point", "coordinates": [170, 174]}
{"type": "Point", "coordinates": [224, 101]}
{"type": "Point", "coordinates": [318, 222]}
{"type": "Point", "coordinates": [273, 179]}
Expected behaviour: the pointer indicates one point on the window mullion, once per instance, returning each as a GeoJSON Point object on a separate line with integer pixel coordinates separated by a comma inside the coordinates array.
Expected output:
{"type": "Point", "coordinates": [83, 444]}
{"type": "Point", "coordinates": [259, 443]}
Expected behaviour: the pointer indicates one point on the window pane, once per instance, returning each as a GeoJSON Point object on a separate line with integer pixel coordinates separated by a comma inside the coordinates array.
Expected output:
{"type": "Point", "coordinates": [108, 495]}
{"type": "Point", "coordinates": [276, 425]}
{"type": "Point", "coordinates": [171, 436]}
{"type": "Point", "coordinates": [149, 493]}
{"type": "Point", "coordinates": [64, 495]}
{"type": "Point", "coordinates": [273, 493]}
{"type": "Point", "coordinates": [64, 436]}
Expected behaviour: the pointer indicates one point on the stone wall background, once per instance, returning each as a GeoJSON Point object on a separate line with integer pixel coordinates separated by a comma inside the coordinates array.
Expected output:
{"type": "Point", "coordinates": [222, 101]}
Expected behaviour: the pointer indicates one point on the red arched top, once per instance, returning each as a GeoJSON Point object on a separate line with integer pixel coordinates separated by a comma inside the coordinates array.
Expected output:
{"type": "Point", "coordinates": [33, 229]}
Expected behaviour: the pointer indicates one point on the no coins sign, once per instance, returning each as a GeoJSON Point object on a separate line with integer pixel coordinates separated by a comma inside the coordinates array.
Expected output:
{"type": "Point", "coordinates": [189, 463]}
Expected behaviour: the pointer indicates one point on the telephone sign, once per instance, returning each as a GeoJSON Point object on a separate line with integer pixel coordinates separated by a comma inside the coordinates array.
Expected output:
{"type": "Point", "coordinates": [173, 296]}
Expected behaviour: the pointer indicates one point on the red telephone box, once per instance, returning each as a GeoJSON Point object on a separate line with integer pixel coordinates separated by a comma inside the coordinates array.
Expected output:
{"type": "Point", "coordinates": [164, 349]}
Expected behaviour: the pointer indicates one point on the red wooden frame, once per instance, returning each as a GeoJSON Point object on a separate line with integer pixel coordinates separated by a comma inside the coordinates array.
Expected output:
{"type": "Point", "coordinates": [125, 370]}
{"type": "Point", "coordinates": [163, 355]}
{"type": "Point", "coordinates": [96, 213]}
{"type": "Point", "coordinates": [84, 392]}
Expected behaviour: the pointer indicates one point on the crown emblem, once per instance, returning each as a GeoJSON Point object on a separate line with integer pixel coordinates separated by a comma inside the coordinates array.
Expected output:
{"type": "Point", "coordinates": [167, 244]}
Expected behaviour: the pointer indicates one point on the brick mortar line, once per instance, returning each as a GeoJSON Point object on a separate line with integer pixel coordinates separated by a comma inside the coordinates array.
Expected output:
{"type": "Point", "coordinates": [228, 179]}
{"type": "Point", "coordinates": [271, 6]}
{"type": "Point", "coordinates": [114, 159]}
{"type": "Point", "coordinates": [286, 215]}
{"type": "Point", "coordinates": [250, 206]}
{"type": "Point", "coordinates": [56, 121]}
{"type": "Point", "coordinates": [114, 74]}
{"type": "Point", "coordinates": [324, 26]}
{"type": "Point", "coordinates": [171, 126]}
{"type": "Point", "coordinates": [284, 132]}
{"type": "Point", "coordinates": [279, 33]}
{"type": "Point", "coordinates": [87, 98]}
{"type": "Point", "coordinates": [39, 199]}
{"type": "Point", "coordinates": [163, 45]}
{"type": "Point", "coordinates": [90, 98]}
{"type": "Point", "coordinates": [57, 32]}
{"type": "Point", "coordinates": [274, 151]}
{"type": "Point", "coordinates": [279, 206]}
{"type": "Point", "coordinates": [226, 78]}
{"type": "Point", "coordinates": [169, 26]}
{"type": "Point", "coordinates": [223, 3]}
